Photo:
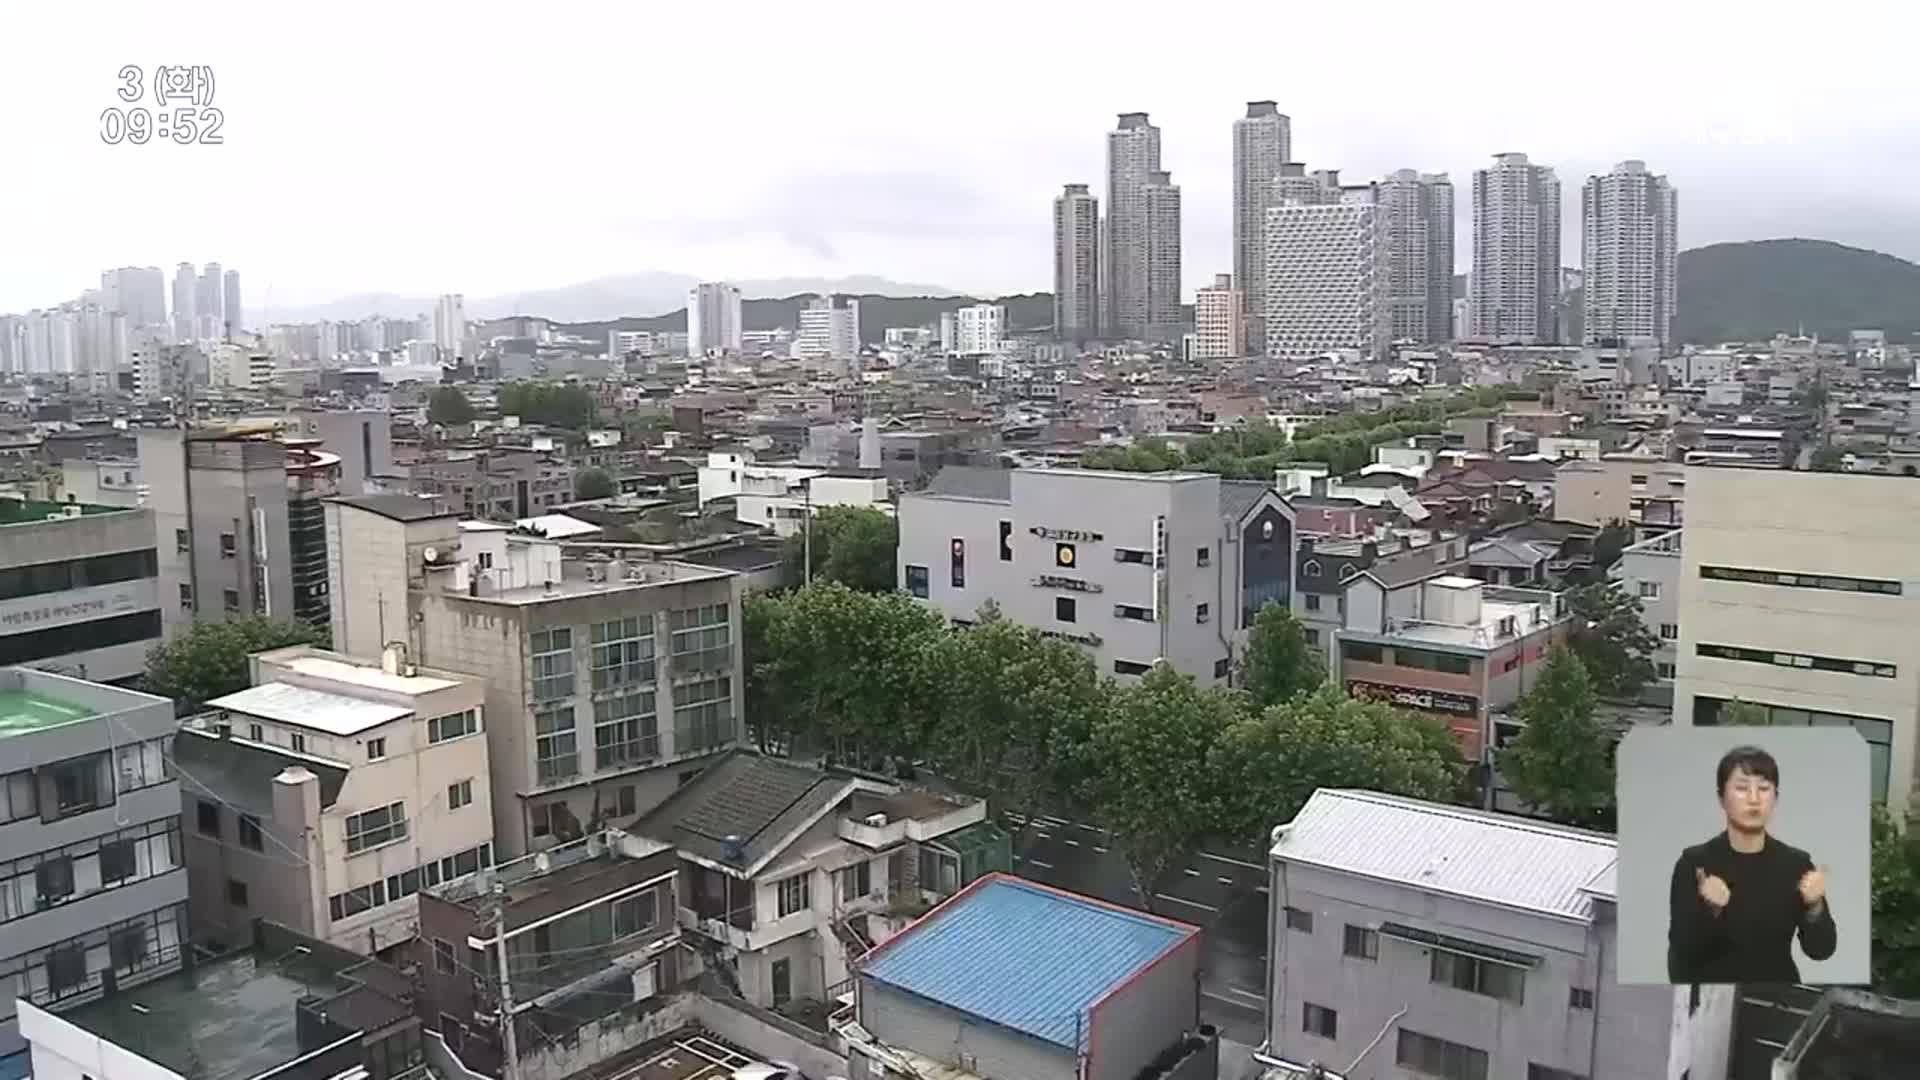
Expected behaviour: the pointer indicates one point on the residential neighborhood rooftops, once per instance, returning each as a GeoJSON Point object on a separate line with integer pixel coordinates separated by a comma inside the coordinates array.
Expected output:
{"type": "Point", "coordinates": [1513, 862]}
{"type": "Point", "coordinates": [739, 810]}
{"type": "Point", "coordinates": [1023, 955]}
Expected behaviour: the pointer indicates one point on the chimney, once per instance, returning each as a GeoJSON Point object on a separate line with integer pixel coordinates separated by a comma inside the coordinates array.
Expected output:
{"type": "Point", "coordinates": [296, 817]}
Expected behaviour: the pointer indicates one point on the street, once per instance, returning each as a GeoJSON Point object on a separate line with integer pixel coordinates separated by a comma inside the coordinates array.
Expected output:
{"type": "Point", "coordinates": [1225, 895]}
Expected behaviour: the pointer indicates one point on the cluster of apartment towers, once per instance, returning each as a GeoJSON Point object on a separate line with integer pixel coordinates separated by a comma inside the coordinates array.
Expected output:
{"type": "Point", "coordinates": [1321, 266]}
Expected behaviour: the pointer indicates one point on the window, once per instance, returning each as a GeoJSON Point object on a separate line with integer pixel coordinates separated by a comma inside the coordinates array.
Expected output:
{"type": "Point", "coordinates": [209, 818]}
{"type": "Point", "coordinates": [54, 879]}
{"type": "Point", "coordinates": [256, 733]}
{"type": "Point", "coordinates": [1313, 601]}
{"type": "Point", "coordinates": [855, 881]}
{"type": "Point", "coordinates": [625, 730]}
{"type": "Point", "coordinates": [1319, 1020]}
{"type": "Point", "coordinates": [1063, 608]}
{"type": "Point", "coordinates": [117, 861]}
{"type": "Point", "coordinates": [1299, 919]}
{"type": "Point", "coordinates": [181, 543]}
{"type": "Point", "coordinates": [1006, 541]}
{"type": "Point", "coordinates": [556, 750]}
{"type": "Point", "coordinates": [1132, 611]}
{"type": "Point", "coordinates": [623, 652]}
{"type": "Point", "coordinates": [1132, 555]}
{"type": "Point", "coordinates": [298, 742]}
{"type": "Point", "coordinates": [552, 663]}
{"type": "Point", "coordinates": [1358, 650]}
{"type": "Point", "coordinates": [230, 599]}
{"type": "Point", "coordinates": [958, 562]}
{"type": "Point", "coordinates": [66, 968]}
{"type": "Point", "coordinates": [227, 546]}
{"type": "Point", "coordinates": [76, 785]}
{"type": "Point", "coordinates": [186, 597]}
{"type": "Point", "coordinates": [1131, 667]}
{"type": "Point", "coordinates": [1202, 612]}
{"type": "Point", "coordinates": [1361, 943]}
{"type": "Point", "coordinates": [459, 794]}
{"type": "Point", "coordinates": [371, 828]}
{"type": "Point", "coordinates": [236, 893]}
{"type": "Point", "coordinates": [702, 715]}
{"type": "Point", "coordinates": [917, 581]}
{"type": "Point", "coordinates": [1438, 1057]}
{"type": "Point", "coordinates": [1649, 590]}
{"type": "Point", "coordinates": [795, 894]}
{"type": "Point", "coordinates": [1838, 665]}
{"type": "Point", "coordinates": [636, 913]}
{"type": "Point", "coordinates": [443, 957]}
{"type": "Point", "coordinates": [1222, 667]}
{"type": "Point", "coordinates": [1669, 631]}
{"type": "Point", "coordinates": [1203, 557]}
{"type": "Point", "coordinates": [127, 948]}
{"type": "Point", "coordinates": [1311, 568]}
{"type": "Point", "coordinates": [541, 819]}
{"type": "Point", "coordinates": [249, 832]}
{"type": "Point", "coordinates": [1543, 1072]}
{"type": "Point", "coordinates": [1693, 999]}
{"type": "Point", "coordinates": [1663, 669]}
{"type": "Point", "coordinates": [142, 764]}
{"type": "Point", "coordinates": [376, 749]}
{"type": "Point", "coordinates": [452, 726]}
{"type": "Point", "coordinates": [1478, 976]}
{"type": "Point", "coordinates": [1878, 732]}
{"type": "Point", "coordinates": [702, 639]}
{"type": "Point", "coordinates": [1429, 660]}
{"type": "Point", "coordinates": [1579, 998]}
{"type": "Point", "coordinates": [1827, 582]}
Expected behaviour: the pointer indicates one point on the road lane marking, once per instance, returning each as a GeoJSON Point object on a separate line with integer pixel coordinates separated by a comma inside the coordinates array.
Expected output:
{"type": "Point", "coordinates": [1060, 823]}
{"type": "Point", "coordinates": [1070, 843]}
{"type": "Point", "coordinates": [1221, 880]}
{"type": "Point", "coordinates": [1098, 850]}
{"type": "Point", "coordinates": [1235, 862]}
{"type": "Point", "coordinates": [1041, 835]}
{"type": "Point", "coordinates": [1184, 900]}
{"type": "Point", "coordinates": [1235, 1002]}
{"type": "Point", "coordinates": [1038, 863]}
{"type": "Point", "coordinates": [1188, 872]}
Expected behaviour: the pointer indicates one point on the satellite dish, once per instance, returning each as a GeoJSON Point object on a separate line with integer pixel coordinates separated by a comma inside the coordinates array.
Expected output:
{"type": "Point", "coordinates": [431, 554]}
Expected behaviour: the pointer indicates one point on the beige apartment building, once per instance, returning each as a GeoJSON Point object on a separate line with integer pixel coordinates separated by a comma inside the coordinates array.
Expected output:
{"type": "Point", "coordinates": [1644, 492]}
{"type": "Point", "coordinates": [1798, 594]}
{"type": "Point", "coordinates": [1220, 320]}
{"type": "Point", "coordinates": [325, 796]}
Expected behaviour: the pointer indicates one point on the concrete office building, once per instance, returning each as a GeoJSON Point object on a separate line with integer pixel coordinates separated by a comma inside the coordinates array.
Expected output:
{"type": "Point", "coordinates": [329, 793]}
{"type": "Point", "coordinates": [1629, 246]}
{"type": "Point", "coordinates": [92, 899]}
{"type": "Point", "coordinates": [1423, 939]}
{"type": "Point", "coordinates": [1136, 567]}
{"type": "Point", "coordinates": [219, 501]}
{"type": "Point", "coordinates": [184, 304]}
{"type": "Point", "coordinates": [209, 298]}
{"type": "Point", "coordinates": [1797, 595]}
{"type": "Point", "coordinates": [1327, 275]}
{"type": "Point", "coordinates": [230, 302]}
{"type": "Point", "coordinates": [585, 662]}
{"type": "Point", "coordinates": [1515, 288]}
{"type": "Point", "coordinates": [713, 319]}
{"type": "Point", "coordinates": [979, 328]}
{"type": "Point", "coordinates": [1076, 265]}
{"type": "Point", "coordinates": [1133, 158]}
{"type": "Point", "coordinates": [1220, 320]}
{"type": "Point", "coordinates": [450, 325]}
{"type": "Point", "coordinates": [1262, 143]}
{"type": "Point", "coordinates": [1418, 208]}
{"type": "Point", "coordinates": [80, 588]}
{"type": "Point", "coordinates": [829, 330]}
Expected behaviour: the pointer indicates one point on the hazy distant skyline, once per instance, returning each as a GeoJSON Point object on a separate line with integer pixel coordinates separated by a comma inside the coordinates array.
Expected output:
{"type": "Point", "coordinates": [419, 148]}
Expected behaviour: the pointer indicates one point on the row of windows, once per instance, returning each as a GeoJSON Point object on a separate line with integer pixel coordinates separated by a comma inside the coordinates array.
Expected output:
{"type": "Point", "coordinates": [79, 637]}
{"type": "Point", "coordinates": [399, 886]}
{"type": "Point", "coordinates": [1829, 582]}
{"type": "Point", "coordinates": [1403, 656]}
{"type": "Point", "coordinates": [372, 828]}
{"type": "Point", "coordinates": [38, 580]}
{"type": "Point", "coordinates": [626, 728]}
{"type": "Point", "coordinates": [452, 726]}
{"type": "Point", "coordinates": [76, 785]}
{"type": "Point", "coordinates": [1877, 732]}
{"type": "Point", "coordinates": [1839, 665]}
{"type": "Point", "coordinates": [59, 875]}
{"type": "Point", "coordinates": [1445, 968]}
{"type": "Point", "coordinates": [138, 946]}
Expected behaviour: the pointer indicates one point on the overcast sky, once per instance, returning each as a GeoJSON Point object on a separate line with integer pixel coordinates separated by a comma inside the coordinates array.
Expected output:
{"type": "Point", "coordinates": [421, 147]}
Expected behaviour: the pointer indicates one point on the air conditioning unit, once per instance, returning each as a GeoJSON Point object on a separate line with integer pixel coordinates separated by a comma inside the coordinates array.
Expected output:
{"type": "Point", "coordinates": [877, 821]}
{"type": "Point", "coordinates": [70, 511]}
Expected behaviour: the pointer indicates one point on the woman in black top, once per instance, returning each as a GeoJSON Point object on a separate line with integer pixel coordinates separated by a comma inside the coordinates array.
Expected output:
{"type": "Point", "coordinates": [1737, 900]}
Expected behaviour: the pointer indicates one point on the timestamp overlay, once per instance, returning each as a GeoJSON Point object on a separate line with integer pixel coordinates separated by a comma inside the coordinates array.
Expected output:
{"type": "Point", "coordinates": [164, 103]}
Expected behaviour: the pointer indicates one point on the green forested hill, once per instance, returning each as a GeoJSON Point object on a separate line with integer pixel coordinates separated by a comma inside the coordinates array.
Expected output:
{"type": "Point", "coordinates": [1751, 291]}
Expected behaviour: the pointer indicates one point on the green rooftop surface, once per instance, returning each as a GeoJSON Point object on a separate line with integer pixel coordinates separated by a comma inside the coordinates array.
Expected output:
{"type": "Point", "coordinates": [229, 1020]}
{"type": "Point", "coordinates": [31, 511]}
{"type": "Point", "coordinates": [22, 711]}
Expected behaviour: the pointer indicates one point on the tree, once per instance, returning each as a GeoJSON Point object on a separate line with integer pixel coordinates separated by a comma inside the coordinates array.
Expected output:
{"type": "Point", "coordinates": [449, 405]}
{"type": "Point", "coordinates": [1562, 761]}
{"type": "Point", "coordinates": [1738, 713]}
{"type": "Point", "coordinates": [209, 659]}
{"type": "Point", "coordinates": [853, 545]}
{"type": "Point", "coordinates": [1279, 665]}
{"type": "Point", "coordinates": [1268, 764]}
{"type": "Point", "coordinates": [592, 483]}
{"type": "Point", "coordinates": [552, 404]}
{"type": "Point", "coordinates": [1151, 778]}
{"type": "Point", "coordinates": [1828, 458]}
{"type": "Point", "coordinates": [1896, 907]}
{"type": "Point", "coordinates": [1611, 638]}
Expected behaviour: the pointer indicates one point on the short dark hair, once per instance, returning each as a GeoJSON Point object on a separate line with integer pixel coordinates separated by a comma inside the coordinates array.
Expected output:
{"type": "Point", "coordinates": [1750, 760]}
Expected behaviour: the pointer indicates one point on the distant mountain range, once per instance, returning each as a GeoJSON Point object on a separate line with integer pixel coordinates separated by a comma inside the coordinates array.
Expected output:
{"type": "Point", "coordinates": [1752, 291]}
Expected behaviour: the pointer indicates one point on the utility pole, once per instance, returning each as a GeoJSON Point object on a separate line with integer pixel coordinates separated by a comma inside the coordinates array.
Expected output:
{"type": "Point", "coordinates": [806, 526]}
{"type": "Point", "coordinates": [496, 914]}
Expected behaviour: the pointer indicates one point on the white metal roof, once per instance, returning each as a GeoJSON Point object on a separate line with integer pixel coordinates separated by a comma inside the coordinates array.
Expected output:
{"type": "Point", "coordinates": [1497, 859]}
{"type": "Point", "coordinates": [335, 714]}
{"type": "Point", "coordinates": [371, 676]}
{"type": "Point", "coordinates": [558, 526]}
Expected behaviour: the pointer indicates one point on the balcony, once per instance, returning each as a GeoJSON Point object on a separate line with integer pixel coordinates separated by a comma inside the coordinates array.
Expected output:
{"type": "Point", "coordinates": [878, 821]}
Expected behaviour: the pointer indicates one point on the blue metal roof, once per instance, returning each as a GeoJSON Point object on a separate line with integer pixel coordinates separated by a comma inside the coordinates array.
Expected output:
{"type": "Point", "coordinates": [1023, 956]}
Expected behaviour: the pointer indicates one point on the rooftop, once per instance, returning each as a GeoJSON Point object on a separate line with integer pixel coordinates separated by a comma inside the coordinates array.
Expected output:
{"type": "Point", "coordinates": [1852, 1033]}
{"type": "Point", "coordinates": [1513, 862]}
{"type": "Point", "coordinates": [739, 810]}
{"type": "Point", "coordinates": [22, 711]}
{"type": "Point", "coordinates": [335, 667]}
{"type": "Point", "coordinates": [654, 573]}
{"type": "Point", "coordinates": [335, 714]}
{"type": "Point", "coordinates": [397, 507]}
{"type": "Point", "coordinates": [1024, 956]}
{"type": "Point", "coordinates": [34, 511]}
{"type": "Point", "coordinates": [229, 1020]}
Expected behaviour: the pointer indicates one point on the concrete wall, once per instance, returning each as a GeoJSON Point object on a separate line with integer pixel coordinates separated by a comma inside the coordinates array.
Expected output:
{"type": "Point", "coordinates": [615, 1033]}
{"type": "Point", "coordinates": [1151, 1011]}
{"type": "Point", "coordinates": [768, 1034]}
{"type": "Point", "coordinates": [987, 1050]}
{"type": "Point", "coordinates": [362, 437]}
{"type": "Point", "coordinates": [228, 480]}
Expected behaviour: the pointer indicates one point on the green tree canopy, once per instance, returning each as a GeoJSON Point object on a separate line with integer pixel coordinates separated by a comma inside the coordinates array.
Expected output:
{"type": "Point", "coordinates": [1828, 458]}
{"type": "Point", "coordinates": [1268, 764]}
{"type": "Point", "coordinates": [563, 405]}
{"type": "Point", "coordinates": [592, 483]}
{"type": "Point", "coordinates": [1152, 780]}
{"type": "Point", "coordinates": [853, 545]}
{"type": "Point", "coordinates": [209, 659]}
{"type": "Point", "coordinates": [449, 405]}
{"type": "Point", "coordinates": [1279, 664]}
{"type": "Point", "coordinates": [1896, 907]}
{"type": "Point", "coordinates": [1562, 761]}
{"type": "Point", "coordinates": [1611, 638]}
{"type": "Point", "coordinates": [1738, 713]}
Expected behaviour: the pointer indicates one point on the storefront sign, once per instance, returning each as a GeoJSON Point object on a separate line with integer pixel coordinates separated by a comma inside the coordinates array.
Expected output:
{"type": "Point", "coordinates": [1077, 639]}
{"type": "Point", "coordinates": [32, 615]}
{"type": "Point", "coordinates": [1071, 535]}
{"type": "Point", "coordinates": [1055, 581]}
{"type": "Point", "coordinates": [1408, 697]}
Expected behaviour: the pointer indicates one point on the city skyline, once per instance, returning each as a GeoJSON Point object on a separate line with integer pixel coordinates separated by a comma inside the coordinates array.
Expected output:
{"type": "Point", "coordinates": [896, 194]}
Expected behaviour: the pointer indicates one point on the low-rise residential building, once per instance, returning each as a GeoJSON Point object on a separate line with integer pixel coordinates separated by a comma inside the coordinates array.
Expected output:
{"type": "Point", "coordinates": [526, 955]}
{"type": "Point", "coordinates": [287, 1007]}
{"type": "Point", "coordinates": [1761, 448]}
{"type": "Point", "coordinates": [790, 873]}
{"type": "Point", "coordinates": [329, 793]}
{"type": "Point", "coordinates": [1324, 565]}
{"type": "Point", "coordinates": [1013, 978]}
{"type": "Point", "coordinates": [1649, 571]}
{"type": "Point", "coordinates": [780, 497]}
{"type": "Point", "coordinates": [1642, 492]}
{"type": "Point", "coordinates": [79, 587]}
{"type": "Point", "coordinates": [92, 897]}
{"type": "Point", "coordinates": [1136, 567]}
{"type": "Point", "coordinates": [1472, 945]}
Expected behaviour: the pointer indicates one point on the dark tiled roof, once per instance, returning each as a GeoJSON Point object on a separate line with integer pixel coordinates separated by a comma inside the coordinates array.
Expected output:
{"type": "Point", "coordinates": [973, 482]}
{"type": "Point", "coordinates": [1394, 572]}
{"type": "Point", "coordinates": [397, 507]}
{"type": "Point", "coordinates": [755, 800]}
{"type": "Point", "coordinates": [1238, 496]}
{"type": "Point", "coordinates": [241, 774]}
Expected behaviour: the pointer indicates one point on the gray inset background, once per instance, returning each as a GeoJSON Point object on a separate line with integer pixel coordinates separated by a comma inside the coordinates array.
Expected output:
{"type": "Point", "coordinates": [1667, 804]}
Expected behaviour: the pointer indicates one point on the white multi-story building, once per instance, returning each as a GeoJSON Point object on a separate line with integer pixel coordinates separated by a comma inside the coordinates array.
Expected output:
{"type": "Point", "coordinates": [1418, 208]}
{"type": "Point", "coordinates": [713, 319]}
{"type": "Point", "coordinates": [1516, 252]}
{"type": "Point", "coordinates": [1133, 157]}
{"type": "Point", "coordinates": [979, 328]}
{"type": "Point", "coordinates": [230, 302]}
{"type": "Point", "coordinates": [1262, 143]}
{"type": "Point", "coordinates": [779, 497]}
{"type": "Point", "coordinates": [1220, 320]}
{"type": "Point", "coordinates": [830, 329]}
{"type": "Point", "coordinates": [184, 306]}
{"type": "Point", "coordinates": [1326, 283]}
{"type": "Point", "coordinates": [449, 324]}
{"type": "Point", "coordinates": [209, 312]}
{"type": "Point", "coordinates": [138, 292]}
{"type": "Point", "coordinates": [1076, 264]}
{"type": "Point", "coordinates": [1164, 320]}
{"type": "Point", "coordinates": [1629, 228]}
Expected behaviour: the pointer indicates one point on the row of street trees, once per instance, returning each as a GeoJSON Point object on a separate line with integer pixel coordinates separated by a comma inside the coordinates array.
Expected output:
{"type": "Point", "coordinates": [1164, 764]}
